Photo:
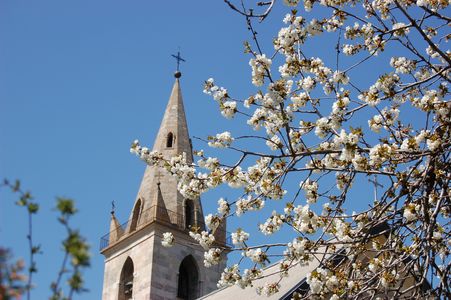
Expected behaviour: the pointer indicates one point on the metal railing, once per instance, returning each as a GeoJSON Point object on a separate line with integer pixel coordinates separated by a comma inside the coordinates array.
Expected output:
{"type": "Point", "coordinates": [163, 215]}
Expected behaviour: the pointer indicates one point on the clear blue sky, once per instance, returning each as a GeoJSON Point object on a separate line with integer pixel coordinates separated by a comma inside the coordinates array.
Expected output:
{"type": "Point", "coordinates": [79, 81]}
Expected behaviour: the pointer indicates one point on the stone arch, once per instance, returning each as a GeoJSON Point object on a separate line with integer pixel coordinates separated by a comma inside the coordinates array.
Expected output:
{"type": "Point", "coordinates": [189, 213]}
{"type": "Point", "coordinates": [126, 280]}
{"type": "Point", "coordinates": [135, 215]}
{"type": "Point", "coordinates": [170, 140]}
{"type": "Point", "coordinates": [188, 279]}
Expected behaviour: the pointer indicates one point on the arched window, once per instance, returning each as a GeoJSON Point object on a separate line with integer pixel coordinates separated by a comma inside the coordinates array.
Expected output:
{"type": "Point", "coordinates": [169, 140]}
{"type": "Point", "coordinates": [188, 279]}
{"type": "Point", "coordinates": [135, 216]}
{"type": "Point", "coordinates": [189, 213]}
{"type": "Point", "coordinates": [126, 280]}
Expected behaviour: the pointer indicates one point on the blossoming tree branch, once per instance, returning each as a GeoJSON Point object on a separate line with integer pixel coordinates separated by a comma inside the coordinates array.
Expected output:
{"type": "Point", "coordinates": [327, 126]}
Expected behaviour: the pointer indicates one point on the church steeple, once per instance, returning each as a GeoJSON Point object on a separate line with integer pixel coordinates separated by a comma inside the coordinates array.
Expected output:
{"type": "Point", "coordinates": [173, 137]}
{"type": "Point", "coordinates": [136, 263]}
{"type": "Point", "coordinates": [158, 191]}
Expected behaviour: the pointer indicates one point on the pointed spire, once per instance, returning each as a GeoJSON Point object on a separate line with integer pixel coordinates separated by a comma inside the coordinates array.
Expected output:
{"type": "Point", "coordinates": [116, 231]}
{"type": "Point", "coordinates": [173, 137]}
{"type": "Point", "coordinates": [158, 188]}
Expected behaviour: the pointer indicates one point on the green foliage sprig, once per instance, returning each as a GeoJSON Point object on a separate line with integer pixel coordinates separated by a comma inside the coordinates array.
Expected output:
{"type": "Point", "coordinates": [13, 283]}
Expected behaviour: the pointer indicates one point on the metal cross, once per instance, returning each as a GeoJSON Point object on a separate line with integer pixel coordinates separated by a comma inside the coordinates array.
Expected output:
{"type": "Point", "coordinates": [178, 58]}
{"type": "Point", "coordinates": [376, 184]}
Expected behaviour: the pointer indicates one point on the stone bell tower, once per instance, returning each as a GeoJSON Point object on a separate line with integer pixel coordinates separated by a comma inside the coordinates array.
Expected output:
{"type": "Point", "coordinates": [137, 266]}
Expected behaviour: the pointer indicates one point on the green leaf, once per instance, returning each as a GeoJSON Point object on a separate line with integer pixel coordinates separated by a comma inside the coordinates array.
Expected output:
{"type": "Point", "coordinates": [66, 206]}
{"type": "Point", "coordinates": [33, 208]}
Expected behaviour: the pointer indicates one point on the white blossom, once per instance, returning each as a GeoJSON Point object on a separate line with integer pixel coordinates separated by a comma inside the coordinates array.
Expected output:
{"type": "Point", "coordinates": [168, 240]}
{"type": "Point", "coordinates": [212, 257]}
{"type": "Point", "coordinates": [260, 65]}
{"type": "Point", "coordinates": [239, 237]}
{"type": "Point", "coordinates": [221, 140]}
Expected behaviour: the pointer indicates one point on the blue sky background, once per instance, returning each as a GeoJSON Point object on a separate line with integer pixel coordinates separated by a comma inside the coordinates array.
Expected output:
{"type": "Point", "coordinates": [80, 80]}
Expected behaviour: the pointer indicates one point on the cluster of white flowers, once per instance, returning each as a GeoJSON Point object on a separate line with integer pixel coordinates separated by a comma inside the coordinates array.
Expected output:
{"type": "Point", "coordinates": [249, 203]}
{"type": "Point", "coordinates": [212, 222]}
{"type": "Point", "coordinates": [228, 109]}
{"type": "Point", "coordinates": [297, 249]}
{"type": "Point", "coordinates": [221, 140]}
{"type": "Point", "coordinates": [433, 142]}
{"type": "Point", "coordinates": [342, 231]}
{"type": "Point", "coordinates": [257, 255]}
{"type": "Point", "coordinates": [403, 65]}
{"type": "Point", "coordinates": [380, 153]}
{"type": "Point", "coordinates": [204, 238]}
{"type": "Point", "coordinates": [300, 100]}
{"type": "Point", "coordinates": [223, 207]}
{"type": "Point", "coordinates": [322, 127]}
{"type": "Point", "coordinates": [343, 180]}
{"type": "Point", "coordinates": [340, 77]}
{"type": "Point", "coordinates": [212, 257]}
{"type": "Point", "coordinates": [322, 281]}
{"type": "Point", "coordinates": [305, 220]}
{"type": "Point", "coordinates": [268, 289]}
{"type": "Point", "coordinates": [218, 93]}
{"type": "Point", "coordinates": [229, 276]}
{"type": "Point", "coordinates": [323, 101]}
{"type": "Point", "coordinates": [239, 237]}
{"type": "Point", "coordinates": [349, 49]}
{"type": "Point", "coordinates": [288, 37]}
{"type": "Point", "coordinates": [308, 83]}
{"type": "Point", "coordinates": [272, 224]}
{"type": "Point", "coordinates": [152, 158]}
{"type": "Point", "coordinates": [190, 185]}
{"type": "Point", "coordinates": [410, 212]}
{"type": "Point", "coordinates": [386, 83]}
{"type": "Point", "coordinates": [311, 190]}
{"type": "Point", "coordinates": [274, 143]}
{"type": "Point", "coordinates": [386, 119]}
{"type": "Point", "coordinates": [371, 96]}
{"type": "Point", "coordinates": [209, 163]}
{"type": "Point", "coordinates": [400, 29]}
{"type": "Point", "coordinates": [168, 240]}
{"type": "Point", "coordinates": [260, 66]}
{"type": "Point", "coordinates": [430, 99]}
{"type": "Point", "coordinates": [349, 142]}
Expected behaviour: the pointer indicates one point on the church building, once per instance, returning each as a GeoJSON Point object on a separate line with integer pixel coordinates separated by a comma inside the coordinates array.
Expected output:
{"type": "Point", "coordinates": [137, 266]}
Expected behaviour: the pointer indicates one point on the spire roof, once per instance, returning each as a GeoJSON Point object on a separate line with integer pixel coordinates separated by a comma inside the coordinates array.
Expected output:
{"type": "Point", "coordinates": [115, 229]}
{"type": "Point", "coordinates": [158, 187]}
{"type": "Point", "coordinates": [174, 122]}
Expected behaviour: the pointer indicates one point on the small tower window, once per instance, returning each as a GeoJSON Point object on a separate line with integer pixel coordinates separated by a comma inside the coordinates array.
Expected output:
{"type": "Point", "coordinates": [135, 216]}
{"type": "Point", "coordinates": [126, 280]}
{"type": "Point", "coordinates": [189, 213]}
{"type": "Point", "coordinates": [188, 279]}
{"type": "Point", "coordinates": [169, 140]}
